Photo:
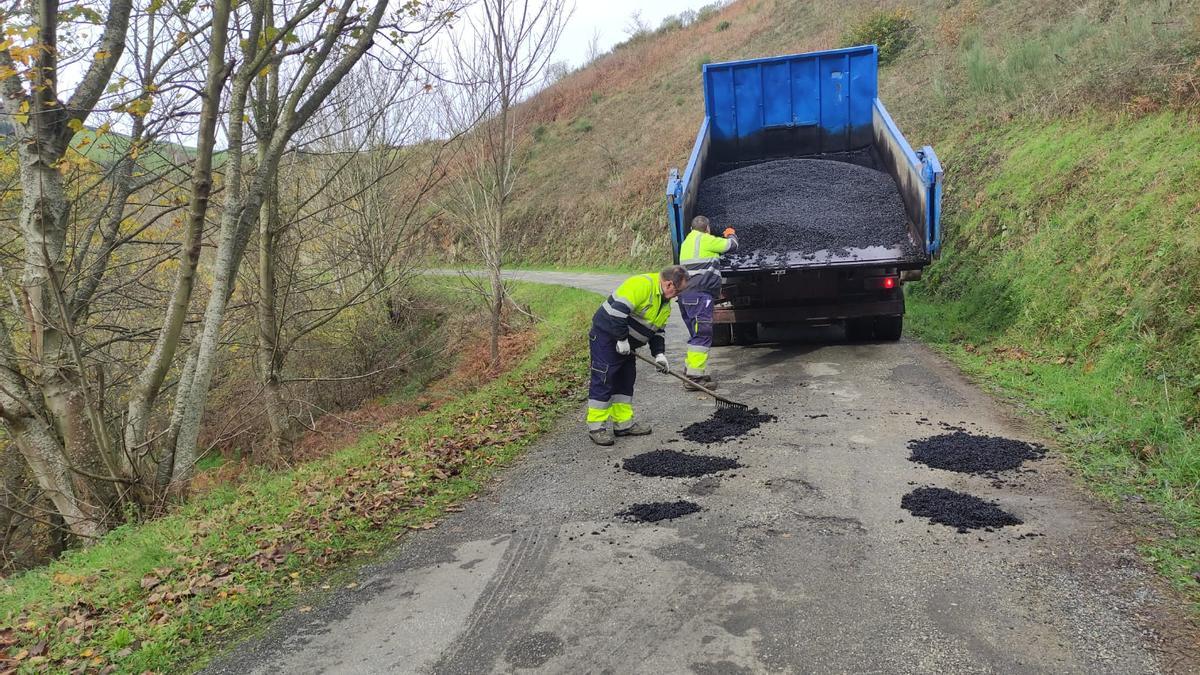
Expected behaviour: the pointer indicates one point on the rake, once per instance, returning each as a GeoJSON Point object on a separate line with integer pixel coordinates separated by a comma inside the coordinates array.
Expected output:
{"type": "Point", "coordinates": [722, 402]}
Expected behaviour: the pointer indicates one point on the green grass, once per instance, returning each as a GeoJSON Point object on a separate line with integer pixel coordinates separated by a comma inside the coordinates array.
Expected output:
{"type": "Point", "coordinates": [1069, 282]}
{"type": "Point", "coordinates": [163, 594]}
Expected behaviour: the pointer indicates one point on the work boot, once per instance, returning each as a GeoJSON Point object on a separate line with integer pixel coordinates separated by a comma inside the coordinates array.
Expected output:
{"type": "Point", "coordinates": [601, 436]}
{"type": "Point", "coordinates": [704, 380]}
{"type": "Point", "coordinates": [638, 429]}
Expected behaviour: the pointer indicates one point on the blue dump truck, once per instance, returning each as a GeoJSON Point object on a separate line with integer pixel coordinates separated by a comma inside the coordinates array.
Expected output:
{"type": "Point", "coordinates": [833, 208]}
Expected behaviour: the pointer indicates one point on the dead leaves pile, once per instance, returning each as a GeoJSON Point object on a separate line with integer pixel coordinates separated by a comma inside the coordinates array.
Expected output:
{"type": "Point", "coordinates": [213, 569]}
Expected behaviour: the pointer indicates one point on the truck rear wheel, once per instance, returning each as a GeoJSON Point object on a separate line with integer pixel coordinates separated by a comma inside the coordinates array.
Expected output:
{"type": "Point", "coordinates": [889, 327]}
{"type": "Point", "coordinates": [859, 330]}
{"type": "Point", "coordinates": [745, 333]}
{"type": "Point", "coordinates": [722, 334]}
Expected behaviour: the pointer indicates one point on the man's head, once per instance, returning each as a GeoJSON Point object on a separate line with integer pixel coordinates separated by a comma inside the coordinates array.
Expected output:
{"type": "Point", "coordinates": [673, 280]}
{"type": "Point", "coordinates": [701, 224]}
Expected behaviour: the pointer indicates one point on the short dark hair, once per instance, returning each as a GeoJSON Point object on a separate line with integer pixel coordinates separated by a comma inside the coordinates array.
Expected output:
{"type": "Point", "coordinates": [701, 224]}
{"type": "Point", "coordinates": [676, 274]}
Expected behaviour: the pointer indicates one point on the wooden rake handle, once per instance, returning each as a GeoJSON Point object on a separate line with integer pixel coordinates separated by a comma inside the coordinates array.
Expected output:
{"type": "Point", "coordinates": [685, 380]}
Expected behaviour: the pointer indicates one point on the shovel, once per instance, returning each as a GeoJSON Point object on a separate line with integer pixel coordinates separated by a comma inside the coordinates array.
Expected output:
{"type": "Point", "coordinates": [722, 402]}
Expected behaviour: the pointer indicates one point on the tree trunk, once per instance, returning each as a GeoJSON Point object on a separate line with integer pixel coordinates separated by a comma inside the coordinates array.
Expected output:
{"type": "Point", "coordinates": [496, 309]}
{"type": "Point", "coordinates": [42, 449]}
{"type": "Point", "coordinates": [149, 382]}
{"type": "Point", "coordinates": [270, 353]}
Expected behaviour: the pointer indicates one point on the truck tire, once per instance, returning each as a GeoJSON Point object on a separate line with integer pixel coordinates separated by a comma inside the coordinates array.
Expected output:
{"type": "Point", "coordinates": [745, 333]}
{"type": "Point", "coordinates": [722, 334]}
{"type": "Point", "coordinates": [859, 330]}
{"type": "Point", "coordinates": [889, 328]}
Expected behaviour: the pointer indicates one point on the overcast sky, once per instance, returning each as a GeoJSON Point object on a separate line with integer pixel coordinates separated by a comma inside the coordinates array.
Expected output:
{"type": "Point", "coordinates": [610, 18]}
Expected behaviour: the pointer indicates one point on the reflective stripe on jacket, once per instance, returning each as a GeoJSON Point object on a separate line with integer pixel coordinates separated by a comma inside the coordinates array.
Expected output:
{"type": "Point", "coordinates": [700, 254]}
{"type": "Point", "coordinates": [638, 311]}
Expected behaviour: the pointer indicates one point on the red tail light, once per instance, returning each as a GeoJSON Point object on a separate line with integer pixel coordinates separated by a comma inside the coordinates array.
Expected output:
{"type": "Point", "coordinates": [889, 282]}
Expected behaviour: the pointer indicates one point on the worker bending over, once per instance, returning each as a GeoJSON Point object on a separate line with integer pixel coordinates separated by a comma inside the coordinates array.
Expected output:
{"type": "Point", "coordinates": [634, 315]}
{"type": "Point", "coordinates": [700, 254]}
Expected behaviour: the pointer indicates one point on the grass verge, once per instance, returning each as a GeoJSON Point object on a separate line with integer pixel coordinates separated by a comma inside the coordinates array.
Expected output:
{"type": "Point", "coordinates": [159, 595]}
{"type": "Point", "coordinates": [1069, 283]}
{"type": "Point", "coordinates": [1118, 431]}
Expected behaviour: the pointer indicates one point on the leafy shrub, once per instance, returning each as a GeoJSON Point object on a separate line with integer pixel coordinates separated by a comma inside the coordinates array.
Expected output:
{"type": "Point", "coordinates": [669, 24]}
{"type": "Point", "coordinates": [706, 58]}
{"type": "Point", "coordinates": [539, 132]}
{"type": "Point", "coordinates": [596, 96]}
{"type": "Point", "coordinates": [892, 30]}
{"type": "Point", "coordinates": [708, 11]}
{"type": "Point", "coordinates": [582, 125]}
{"type": "Point", "coordinates": [724, 25]}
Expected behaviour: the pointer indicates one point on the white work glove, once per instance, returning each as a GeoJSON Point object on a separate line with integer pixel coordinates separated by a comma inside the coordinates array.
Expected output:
{"type": "Point", "coordinates": [660, 362]}
{"type": "Point", "coordinates": [623, 347]}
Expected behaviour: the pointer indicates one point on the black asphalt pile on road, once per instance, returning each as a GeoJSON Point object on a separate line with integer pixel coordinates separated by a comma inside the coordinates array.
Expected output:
{"type": "Point", "coordinates": [972, 453]}
{"type": "Point", "coordinates": [726, 423]}
{"type": "Point", "coordinates": [674, 464]}
{"type": "Point", "coordinates": [961, 511]}
{"type": "Point", "coordinates": [799, 207]}
{"type": "Point", "coordinates": [656, 511]}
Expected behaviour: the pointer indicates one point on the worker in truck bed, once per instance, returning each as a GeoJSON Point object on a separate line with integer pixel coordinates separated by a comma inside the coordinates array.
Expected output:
{"type": "Point", "coordinates": [700, 254]}
{"type": "Point", "coordinates": [633, 315]}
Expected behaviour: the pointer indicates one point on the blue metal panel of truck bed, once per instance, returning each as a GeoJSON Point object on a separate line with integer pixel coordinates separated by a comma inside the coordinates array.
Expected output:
{"type": "Point", "coordinates": [821, 105]}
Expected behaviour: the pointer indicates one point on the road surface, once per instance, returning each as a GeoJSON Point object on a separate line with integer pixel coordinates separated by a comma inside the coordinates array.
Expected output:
{"type": "Point", "coordinates": [801, 562]}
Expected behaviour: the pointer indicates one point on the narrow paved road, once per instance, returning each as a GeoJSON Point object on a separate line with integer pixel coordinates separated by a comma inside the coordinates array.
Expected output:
{"type": "Point", "coordinates": [801, 562]}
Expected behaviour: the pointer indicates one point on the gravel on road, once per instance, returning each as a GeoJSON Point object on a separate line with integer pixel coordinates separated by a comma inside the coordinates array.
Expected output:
{"type": "Point", "coordinates": [656, 511]}
{"type": "Point", "coordinates": [675, 464]}
{"type": "Point", "coordinates": [725, 423]}
{"type": "Point", "coordinates": [804, 206]}
{"type": "Point", "coordinates": [957, 509]}
{"type": "Point", "coordinates": [972, 453]}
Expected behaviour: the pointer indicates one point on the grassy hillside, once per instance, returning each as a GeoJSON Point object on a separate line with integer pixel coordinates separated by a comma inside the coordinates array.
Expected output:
{"type": "Point", "coordinates": [1069, 135]}
{"type": "Point", "coordinates": [607, 134]}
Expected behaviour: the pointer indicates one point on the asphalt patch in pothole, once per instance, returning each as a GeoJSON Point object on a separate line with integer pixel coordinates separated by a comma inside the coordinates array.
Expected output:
{"type": "Point", "coordinates": [675, 464]}
{"type": "Point", "coordinates": [726, 423]}
{"type": "Point", "coordinates": [654, 512]}
{"type": "Point", "coordinates": [959, 510]}
{"type": "Point", "coordinates": [971, 453]}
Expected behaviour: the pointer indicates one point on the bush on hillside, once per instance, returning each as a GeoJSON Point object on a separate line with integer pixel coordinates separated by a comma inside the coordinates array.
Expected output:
{"type": "Point", "coordinates": [669, 24]}
{"type": "Point", "coordinates": [708, 11]}
{"type": "Point", "coordinates": [724, 25]}
{"type": "Point", "coordinates": [892, 30]}
{"type": "Point", "coordinates": [582, 125]}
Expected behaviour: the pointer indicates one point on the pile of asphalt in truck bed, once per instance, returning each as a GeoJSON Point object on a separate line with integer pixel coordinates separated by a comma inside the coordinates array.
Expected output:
{"type": "Point", "coordinates": [726, 423]}
{"type": "Point", "coordinates": [972, 453]}
{"type": "Point", "coordinates": [798, 207]}
{"type": "Point", "coordinates": [958, 510]}
{"type": "Point", "coordinates": [656, 511]}
{"type": "Point", "coordinates": [674, 464]}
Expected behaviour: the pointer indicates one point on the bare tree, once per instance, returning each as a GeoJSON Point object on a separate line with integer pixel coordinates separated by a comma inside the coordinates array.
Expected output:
{"type": "Point", "coordinates": [593, 46]}
{"type": "Point", "coordinates": [339, 37]}
{"type": "Point", "coordinates": [506, 48]}
{"type": "Point", "coordinates": [47, 405]}
{"type": "Point", "coordinates": [105, 253]}
{"type": "Point", "coordinates": [636, 26]}
{"type": "Point", "coordinates": [373, 177]}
